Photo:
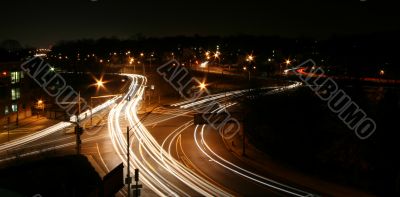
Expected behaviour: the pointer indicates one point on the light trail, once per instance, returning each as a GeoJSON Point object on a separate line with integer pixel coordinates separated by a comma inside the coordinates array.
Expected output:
{"type": "Point", "coordinates": [241, 171]}
{"type": "Point", "coordinates": [52, 129]}
{"type": "Point", "coordinates": [149, 148]}
{"type": "Point", "coordinates": [150, 155]}
{"type": "Point", "coordinates": [207, 151]}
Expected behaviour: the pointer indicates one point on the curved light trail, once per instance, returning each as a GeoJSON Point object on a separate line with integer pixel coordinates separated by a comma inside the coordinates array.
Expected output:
{"type": "Point", "coordinates": [152, 155]}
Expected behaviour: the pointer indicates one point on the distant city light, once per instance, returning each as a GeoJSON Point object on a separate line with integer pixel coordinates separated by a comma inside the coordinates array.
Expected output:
{"type": "Point", "coordinates": [250, 58]}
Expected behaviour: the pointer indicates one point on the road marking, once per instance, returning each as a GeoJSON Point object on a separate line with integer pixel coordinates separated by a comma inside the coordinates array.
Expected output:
{"type": "Point", "coordinates": [101, 158]}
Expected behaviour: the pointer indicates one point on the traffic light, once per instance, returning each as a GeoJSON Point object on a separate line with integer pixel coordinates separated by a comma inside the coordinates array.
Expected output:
{"type": "Point", "coordinates": [136, 175]}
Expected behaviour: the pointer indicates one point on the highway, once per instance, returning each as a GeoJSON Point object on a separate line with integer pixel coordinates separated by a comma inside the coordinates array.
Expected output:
{"type": "Point", "coordinates": [175, 157]}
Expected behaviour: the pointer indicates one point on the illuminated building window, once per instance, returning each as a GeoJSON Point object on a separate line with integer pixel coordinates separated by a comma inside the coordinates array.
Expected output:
{"type": "Point", "coordinates": [15, 77]}
{"type": "Point", "coordinates": [14, 107]}
{"type": "Point", "coordinates": [6, 110]}
{"type": "Point", "coordinates": [15, 94]}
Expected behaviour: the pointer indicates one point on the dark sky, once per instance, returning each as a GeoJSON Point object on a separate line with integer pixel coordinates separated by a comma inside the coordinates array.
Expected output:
{"type": "Point", "coordinates": [42, 23]}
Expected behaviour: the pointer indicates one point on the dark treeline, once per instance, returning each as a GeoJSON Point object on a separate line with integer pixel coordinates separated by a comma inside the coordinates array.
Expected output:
{"type": "Point", "coordinates": [299, 129]}
{"type": "Point", "coordinates": [357, 55]}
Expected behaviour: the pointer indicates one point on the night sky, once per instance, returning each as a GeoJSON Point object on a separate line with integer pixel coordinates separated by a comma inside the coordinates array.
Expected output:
{"type": "Point", "coordinates": [42, 23]}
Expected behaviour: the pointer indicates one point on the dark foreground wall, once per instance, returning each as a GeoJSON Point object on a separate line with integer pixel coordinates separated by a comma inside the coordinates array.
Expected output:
{"type": "Point", "coordinates": [58, 176]}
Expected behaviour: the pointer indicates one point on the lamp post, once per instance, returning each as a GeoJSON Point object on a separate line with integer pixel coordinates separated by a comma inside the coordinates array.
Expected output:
{"type": "Point", "coordinates": [144, 68]}
{"type": "Point", "coordinates": [250, 58]}
{"type": "Point", "coordinates": [131, 61]}
{"type": "Point", "coordinates": [41, 105]}
{"type": "Point", "coordinates": [245, 69]}
{"type": "Point", "coordinates": [99, 84]}
{"type": "Point", "coordinates": [151, 58]}
{"type": "Point", "coordinates": [287, 63]}
{"type": "Point", "coordinates": [202, 86]}
{"type": "Point", "coordinates": [128, 179]}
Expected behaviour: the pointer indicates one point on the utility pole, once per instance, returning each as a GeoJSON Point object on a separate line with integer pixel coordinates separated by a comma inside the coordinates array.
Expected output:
{"type": "Point", "coordinates": [137, 186]}
{"type": "Point", "coordinates": [144, 68]}
{"type": "Point", "coordinates": [78, 133]}
{"type": "Point", "coordinates": [78, 128]}
{"type": "Point", "coordinates": [128, 179]}
{"type": "Point", "coordinates": [79, 104]}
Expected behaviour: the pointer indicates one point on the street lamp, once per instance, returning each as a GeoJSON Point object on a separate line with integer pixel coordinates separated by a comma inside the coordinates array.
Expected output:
{"type": "Point", "coordinates": [250, 58]}
{"type": "Point", "coordinates": [40, 105]}
{"type": "Point", "coordinates": [128, 179]}
{"type": "Point", "coordinates": [100, 84]}
{"type": "Point", "coordinates": [144, 68]}
{"type": "Point", "coordinates": [382, 72]}
{"type": "Point", "coordinates": [202, 86]}
{"type": "Point", "coordinates": [249, 71]}
{"type": "Point", "coordinates": [131, 61]}
{"type": "Point", "coordinates": [288, 62]}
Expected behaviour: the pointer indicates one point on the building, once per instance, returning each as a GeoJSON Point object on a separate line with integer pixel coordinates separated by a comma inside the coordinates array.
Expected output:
{"type": "Point", "coordinates": [15, 102]}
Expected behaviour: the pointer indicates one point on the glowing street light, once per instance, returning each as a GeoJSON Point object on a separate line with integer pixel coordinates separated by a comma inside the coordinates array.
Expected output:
{"type": "Point", "coordinates": [248, 70]}
{"type": "Point", "coordinates": [100, 84]}
{"type": "Point", "coordinates": [250, 58]}
{"type": "Point", "coordinates": [141, 54]}
{"type": "Point", "coordinates": [382, 72]}
{"type": "Point", "coordinates": [202, 86]}
{"type": "Point", "coordinates": [288, 62]}
{"type": "Point", "coordinates": [40, 105]}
